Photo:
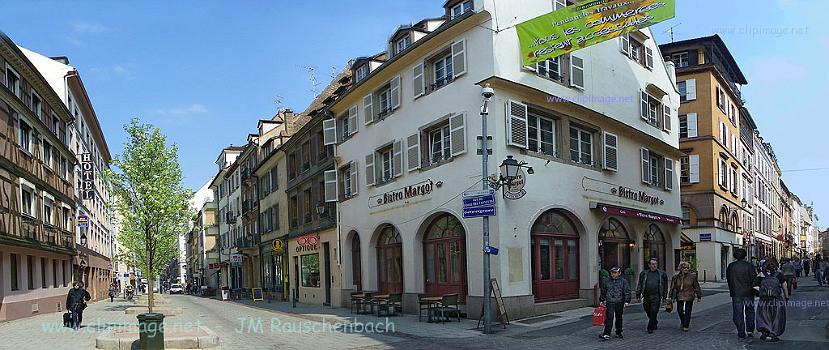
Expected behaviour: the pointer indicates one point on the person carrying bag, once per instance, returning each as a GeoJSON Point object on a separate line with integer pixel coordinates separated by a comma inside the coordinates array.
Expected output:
{"type": "Point", "coordinates": [615, 296]}
{"type": "Point", "coordinates": [684, 287]}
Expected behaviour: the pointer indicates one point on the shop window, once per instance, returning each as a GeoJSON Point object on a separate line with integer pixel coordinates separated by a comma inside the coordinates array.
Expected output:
{"type": "Point", "coordinates": [311, 270]}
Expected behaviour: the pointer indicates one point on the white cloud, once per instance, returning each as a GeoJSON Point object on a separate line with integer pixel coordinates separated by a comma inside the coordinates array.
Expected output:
{"type": "Point", "coordinates": [87, 27]}
{"type": "Point", "coordinates": [195, 108]}
{"type": "Point", "coordinates": [113, 71]}
{"type": "Point", "coordinates": [776, 70]}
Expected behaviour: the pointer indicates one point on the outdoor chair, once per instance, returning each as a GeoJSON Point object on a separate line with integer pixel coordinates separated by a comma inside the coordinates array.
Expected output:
{"type": "Point", "coordinates": [357, 299]}
{"type": "Point", "coordinates": [390, 305]}
{"type": "Point", "coordinates": [448, 305]}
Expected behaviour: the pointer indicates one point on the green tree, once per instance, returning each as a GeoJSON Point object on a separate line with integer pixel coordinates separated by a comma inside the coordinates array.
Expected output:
{"type": "Point", "coordinates": [148, 194]}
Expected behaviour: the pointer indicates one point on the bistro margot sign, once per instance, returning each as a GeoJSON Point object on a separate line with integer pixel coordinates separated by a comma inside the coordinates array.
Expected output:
{"type": "Point", "coordinates": [401, 194]}
{"type": "Point", "coordinates": [639, 196]}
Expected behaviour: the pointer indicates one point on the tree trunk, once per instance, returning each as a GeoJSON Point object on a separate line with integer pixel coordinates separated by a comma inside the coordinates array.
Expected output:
{"type": "Point", "coordinates": [150, 281]}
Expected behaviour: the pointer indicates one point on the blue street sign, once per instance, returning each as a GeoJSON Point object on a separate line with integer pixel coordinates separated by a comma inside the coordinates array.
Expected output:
{"type": "Point", "coordinates": [704, 237]}
{"type": "Point", "coordinates": [478, 204]}
{"type": "Point", "coordinates": [491, 250]}
{"type": "Point", "coordinates": [478, 212]}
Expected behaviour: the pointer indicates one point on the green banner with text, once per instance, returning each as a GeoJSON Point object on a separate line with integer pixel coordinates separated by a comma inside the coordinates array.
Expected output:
{"type": "Point", "coordinates": [580, 25]}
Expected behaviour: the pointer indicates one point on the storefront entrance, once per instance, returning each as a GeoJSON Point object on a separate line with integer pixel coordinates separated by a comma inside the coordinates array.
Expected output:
{"type": "Point", "coordinates": [389, 261]}
{"type": "Point", "coordinates": [614, 245]}
{"type": "Point", "coordinates": [654, 245]}
{"type": "Point", "coordinates": [445, 257]}
{"type": "Point", "coordinates": [356, 265]}
{"type": "Point", "coordinates": [554, 252]}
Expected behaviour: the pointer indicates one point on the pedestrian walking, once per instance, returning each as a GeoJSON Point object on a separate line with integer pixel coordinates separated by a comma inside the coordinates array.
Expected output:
{"type": "Point", "coordinates": [76, 302]}
{"type": "Point", "coordinates": [788, 271]}
{"type": "Point", "coordinates": [614, 297]}
{"type": "Point", "coordinates": [651, 289]}
{"type": "Point", "coordinates": [113, 289]}
{"type": "Point", "coordinates": [824, 266]}
{"type": "Point", "coordinates": [771, 309]}
{"type": "Point", "coordinates": [741, 278]}
{"type": "Point", "coordinates": [816, 266]}
{"type": "Point", "coordinates": [798, 268]}
{"type": "Point", "coordinates": [807, 264]}
{"type": "Point", "coordinates": [684, 288]}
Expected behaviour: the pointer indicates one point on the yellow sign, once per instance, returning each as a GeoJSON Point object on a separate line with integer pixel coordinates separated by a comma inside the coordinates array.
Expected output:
{"type": "Point", "coordinates": [256, 294]}
{"type": "Point", "coordinates": [278, 246]}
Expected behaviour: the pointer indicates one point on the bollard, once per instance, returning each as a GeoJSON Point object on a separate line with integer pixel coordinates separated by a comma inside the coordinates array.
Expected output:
{"type": "Point", "coordinates": [151, 331]}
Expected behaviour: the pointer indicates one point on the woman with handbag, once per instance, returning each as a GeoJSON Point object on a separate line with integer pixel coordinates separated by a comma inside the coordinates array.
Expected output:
{"type": "Point", "coordinates": [76, 302]}
{"type": "Point", "coordinates": [684, 287]}
{"type": "Point", "coordinates": [771, 310]}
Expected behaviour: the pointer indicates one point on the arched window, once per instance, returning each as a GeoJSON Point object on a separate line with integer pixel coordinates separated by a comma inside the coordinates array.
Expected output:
{"type": "Point", "coordinates": [356, 262]}
{"type": "Point", "coordinates": [614, 245]}
{"type": "Point", "coordinates": [724, 217]}
{"type": "Point", "coordinates": [554, 249]}
{"type": "Point", "coordinates": [735, 222]}
{"type": "Point", "coordinates": [444, 250]}
{"type": "Point", "coordinates": [654, 244]}
{"type": "Point", "coordinates": [389, 261]}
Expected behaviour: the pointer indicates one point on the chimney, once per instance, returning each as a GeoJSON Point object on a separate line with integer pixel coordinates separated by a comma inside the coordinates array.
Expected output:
{"type": "Point", "coordinates": [61, 59]}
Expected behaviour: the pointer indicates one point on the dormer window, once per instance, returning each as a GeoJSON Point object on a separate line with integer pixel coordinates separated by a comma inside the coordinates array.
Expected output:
{"type": "Point", "coordinates": [361, 73]}
{"type": "Point", "coordinates": [402, 44]}
{"type": "Point", "coordinates": [680, 59]}
{"type": "Point", "coordinates": [461, 8]}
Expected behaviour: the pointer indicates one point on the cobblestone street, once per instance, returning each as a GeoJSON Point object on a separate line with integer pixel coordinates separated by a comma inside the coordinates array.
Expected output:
{"type": "Point", "coordinates": [247, 325]}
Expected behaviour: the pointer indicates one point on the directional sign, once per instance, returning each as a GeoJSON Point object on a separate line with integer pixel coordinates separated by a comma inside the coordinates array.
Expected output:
{"type": "Point", "coordinates": [491, 250]}
{"type": "Point", "coordinates": [478, 204]}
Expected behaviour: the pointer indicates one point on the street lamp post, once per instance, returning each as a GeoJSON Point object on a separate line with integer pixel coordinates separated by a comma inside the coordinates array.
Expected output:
{"type": "Point", "coordinates": [487, 92]}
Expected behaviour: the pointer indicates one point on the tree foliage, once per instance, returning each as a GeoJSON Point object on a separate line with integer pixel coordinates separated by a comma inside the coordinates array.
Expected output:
{"type": "Point", "coordinates": [149, 196]}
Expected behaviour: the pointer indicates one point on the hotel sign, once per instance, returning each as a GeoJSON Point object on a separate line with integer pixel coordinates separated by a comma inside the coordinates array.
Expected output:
{"type": "Point", "coordinates": [87, 177]}
{"type": "Point", "coordinates": [402, 194]}
{"type": "Point", "coordinates": [587, 23]}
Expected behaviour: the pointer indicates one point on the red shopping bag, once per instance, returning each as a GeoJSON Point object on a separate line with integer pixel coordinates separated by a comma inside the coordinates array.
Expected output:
{"type": "Point", "coordinates": [794, 283]}
{"type": "Point", "coordinates": [599, 314]}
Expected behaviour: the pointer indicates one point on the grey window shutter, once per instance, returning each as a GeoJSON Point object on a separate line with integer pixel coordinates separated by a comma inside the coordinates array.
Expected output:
{"type": "Point", "coordinates": [648, 57]}
{"type": "Point", "coordinates": [646, 168]}
{"type": "Point", "coordinates": [576, 72]}
{"type": "Point", "coordinates": [329, 131]}
{"type": "Point", "coordinates": [352, 120]}
{"type": "Point", "coordinates": [517, 124]}
{"type": "Point", "coordinates": [459, 58]}
{"type": "Point", "coordinates": [457, 138]}
{"type": "Point", "coordinates": [643, 106]}
{"type": "Point", "coordinates": [397, 158]}
{"type": "Point", "coordinates": [395, 92]}
{"type": "Point", "coordinates": [413, 152]}
{"type": "Point", "coordinates": [666, 121]}
{"type": "Point", "coordinates": [370, 170]}
{"type": "Point", "coordinates": [624, 44]}
{"type": "Point", "coordinates": [690, 89]}
{"type": "Point", "coordinates": [419, 81]}
{"type": "Point", "coordinates": [331, 186]}
{"type": "Point", "coordinates": [693, 168]}
{"type": "Point", "coordinates": [611, 152]}
{"type": "Point", "coordinates": [669, 174]}
{"type": "Point", "coordinates": [354, 177]}
{"type": "Point", "coordinates": [368, 111]}
{"type": "Point", "coordinates": [692, 124]}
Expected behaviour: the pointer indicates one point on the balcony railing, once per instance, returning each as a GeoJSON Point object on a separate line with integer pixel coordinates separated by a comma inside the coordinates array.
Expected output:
{"type": "Point", "coordinates": [251, 241]}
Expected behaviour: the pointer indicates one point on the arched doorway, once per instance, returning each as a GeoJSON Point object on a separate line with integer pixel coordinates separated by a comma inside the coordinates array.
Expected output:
{"type": "Point", "coordinates": [389, 261]}
{"type": "Point", "coordinates": [654, 244]}
{"type": "Point", "coordinates": [554, 253]}
{"type": "Point", "coordinates": [444, 257]}
{"type": "Point", "coordinates": [356, 263]}
{"type": "Point", "coordinates": [614, 245]}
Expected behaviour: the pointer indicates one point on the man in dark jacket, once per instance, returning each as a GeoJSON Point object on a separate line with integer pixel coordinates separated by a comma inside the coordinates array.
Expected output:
{"type": "Point", "coordinates": [76, 302]}
{"type": "Point", "coordinates": [652, 288]}
{"type": "Point", "coordinates": [615, 296]}
{"type": "Point", "coordinates": [741, 279]}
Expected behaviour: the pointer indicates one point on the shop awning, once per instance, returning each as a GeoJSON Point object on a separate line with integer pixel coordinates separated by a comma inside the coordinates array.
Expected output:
{"type": "Point", "coordinates": [685, 239]}
{"type": "Point", "coordinates": [621, 211]}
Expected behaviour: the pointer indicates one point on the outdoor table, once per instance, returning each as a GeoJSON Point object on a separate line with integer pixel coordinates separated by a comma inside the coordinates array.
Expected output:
{"type": "Point", "coordinates": [430, 302]}
{"type": "Point", "coordinates": [376, 300]}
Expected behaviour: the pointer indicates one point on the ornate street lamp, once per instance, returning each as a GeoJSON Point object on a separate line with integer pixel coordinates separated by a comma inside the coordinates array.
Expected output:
{"type": "Point", "coordinates": [83, 239]}
{"type": "Point", "coordinates": [321, 209]}
{"type": "Point", "coordinates": [510, 169]}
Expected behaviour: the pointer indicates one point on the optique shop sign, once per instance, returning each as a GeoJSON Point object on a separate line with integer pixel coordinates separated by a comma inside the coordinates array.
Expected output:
{"type": "Point", "coordinates": [400, 194]}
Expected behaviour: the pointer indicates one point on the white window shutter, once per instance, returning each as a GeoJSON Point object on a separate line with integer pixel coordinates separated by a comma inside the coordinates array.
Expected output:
{"type": "Point", "coordinates": [576, 72]}
{"type": "Point", "coordinates": [395, 92]}
{"type": "Point", "coordinates": [370, 170]}
{"type": "Point", "coordinates": [559, 4]}
{"type": "Point", "coordinates": [643, 105]}
{"type": "Point", "coordinates": [352, 120]}
{"type": "Point", "coordinates": [459, 58]}
{"type": "Point", "coordinates": [666, 121]}
{"type": "Point", "coordinates": [418, 82]}
{"type": "Point", "coordinates": [368, 112]}
{"type": "Point", "coordinates": [690, 89]}
{"type": "Point", "coordinates": [413, 152]}
{"type": "Point", "coordinates": [354, 177]}
{"type": "Point", "coordinates": [397, 158]}
{"type": "Point", "coordinates": [329, 132]}
{"type": "Point", "coordinates": [646, 166]}
{"type": "Point", "coordinates": [624, 44]}
{"type": "Point", "coordinates": [722, 133]}
{"type": "Point", "coordinates": [693, 168]}
{"type": "Point", "coordinates": [669, 174]}
{"type": "Point", "coordinates": [611, 151]}
{"type": "Point", "coordinates": [648, 57]}
{"type": "Point", "coordinates": [517, 124]}
{"type": "Point", "coordinates": [692, 124]}
{"type": "Point", "coordinates": [331, 186]}
{"type": "Point", "coordinates": [457, 134]}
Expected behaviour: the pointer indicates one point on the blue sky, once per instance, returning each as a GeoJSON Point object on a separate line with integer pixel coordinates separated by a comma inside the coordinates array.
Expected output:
{"type": "Point", "coordinates": [206, 71]}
